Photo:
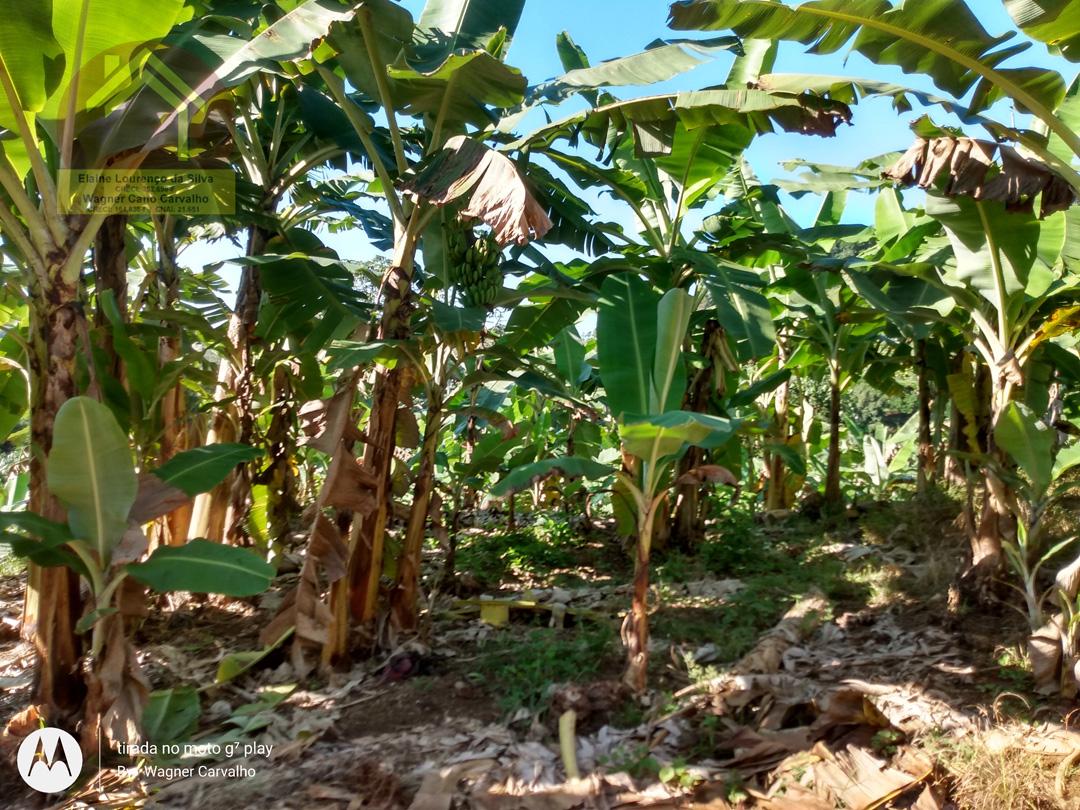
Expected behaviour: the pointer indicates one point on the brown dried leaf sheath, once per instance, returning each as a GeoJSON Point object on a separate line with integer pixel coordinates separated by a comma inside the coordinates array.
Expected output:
{"type": "Point", "coordinates": [349, 485]}
{"type": "Point", "coordinates": [495, 191]}
{"type": "Point", "coordinates": [709, 474]}
{"type": "Point", "coordinates": [967, 162]}
{"type": "Point", "coordinates": [154, 499]}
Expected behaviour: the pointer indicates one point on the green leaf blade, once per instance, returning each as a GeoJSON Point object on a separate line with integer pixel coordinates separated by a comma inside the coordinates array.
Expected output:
{"type": "Point", "coordinates": [90, 470]}
{"type": "Point", "coordinates": [201, 566]}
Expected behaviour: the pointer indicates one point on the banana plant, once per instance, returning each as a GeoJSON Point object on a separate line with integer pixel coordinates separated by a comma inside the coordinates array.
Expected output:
{"type": "Point", "coordinates": [947, 44]}
{"type": "Point", "coordinates": [1033, 446]}
{"type": "Point", "coordinates": [644, 384]}
{"type": "Point", "coordinates": [92, 474]}
{"type": "Point", "coordinates": [1010, 274]}
{"type": "Point", "coordinates": [281, 132]}
{"type": "Point", "coordinates": [666, 157]}
{"type": "Point", "coordinates": [74, 92]}
{"type": "Point", "coordinates": [1043, 463]}
{"type": "Point", "coordinates": [640, 336]}
{"type": "Point", "coordinates": [431, 80]}
{"type": "Point", "coordinates": [887, 455]}
{"type": "Point", "coordinates": [979, 262]}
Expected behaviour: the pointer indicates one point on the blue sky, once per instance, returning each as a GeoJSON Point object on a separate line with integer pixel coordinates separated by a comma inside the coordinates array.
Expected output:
{"type": "Point", "coordinates": [609, 28]}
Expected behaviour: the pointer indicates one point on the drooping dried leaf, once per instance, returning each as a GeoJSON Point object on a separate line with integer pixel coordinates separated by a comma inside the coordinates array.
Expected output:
{"type": "Point", "coordinates": [966, 166]}
{"type": "Point", "coordinates": [349, 485]}
{"type": "Point", "coordinates": [131, 546]}
{"type": "Point", "coordinates": [1044, 650]}
{"type": "Point", "coordinates": [326, 422]}
{"type": "Point", "coordinates": [328, 548]}
{"type": "Point", "coordinates": [313, 616]}
{"type": "Point", "coordinates": [491, 184]}
{"type": "Point", "coordinates": [117, 689]}
{"type": "Point", "coordinates": [709, 474]}
{"type": "Point", "coordinates": [808, 120]}
{"type": "Point", "coordinates": [155, 498]}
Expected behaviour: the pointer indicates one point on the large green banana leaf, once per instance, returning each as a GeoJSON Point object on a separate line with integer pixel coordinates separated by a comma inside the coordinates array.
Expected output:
{"type": "Point", "coordinates": [940, 38]}
{"type": "Point", "coordinates": [453, 26]}
{"type": "Point", "coordinates": [995, 247]}
{"type": "Point", "coordinates": [665, 434]}
{"type": "Point", "coordinates": [1055, 22]}
{"type": "Point", "coordinates": [91, 472]}
{"type": "Point", "coordinates": [626, 340]}
{"type": "Point", "coordinates": [460, 90]}
{"type": "Point", "coordinates": [660, 61]}
{"type": "Point", "coordinates": [194, 67]}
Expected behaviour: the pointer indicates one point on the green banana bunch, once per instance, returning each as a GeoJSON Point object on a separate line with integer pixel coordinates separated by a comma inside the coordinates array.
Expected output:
{"type": "Point", "coordinates": [475, 267]}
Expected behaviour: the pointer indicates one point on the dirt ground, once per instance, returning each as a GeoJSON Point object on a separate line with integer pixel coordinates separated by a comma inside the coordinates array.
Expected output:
{"type": "Point", "coordinates": [830, 674]}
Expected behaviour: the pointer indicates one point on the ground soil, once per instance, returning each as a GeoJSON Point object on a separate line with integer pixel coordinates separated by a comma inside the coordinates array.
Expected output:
{"type": "Point", "coordinates": [366, 738]}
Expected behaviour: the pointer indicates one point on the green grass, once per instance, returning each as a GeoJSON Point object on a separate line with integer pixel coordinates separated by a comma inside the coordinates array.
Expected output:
{"type": "Point", "coordinates": [546, 552]}
{"type": "Point", "coordinates": [775, 572]}
{"type": "Point", "coordinates": [10, 565]}
{"type": "Point", "coordinates": [776, 566]}
{"type": "Point", "coordinates": [524, 665]}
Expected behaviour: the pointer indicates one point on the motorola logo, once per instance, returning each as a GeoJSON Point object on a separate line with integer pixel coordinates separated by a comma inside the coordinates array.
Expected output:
{"type": "Point", "coordinates": [49, 760]}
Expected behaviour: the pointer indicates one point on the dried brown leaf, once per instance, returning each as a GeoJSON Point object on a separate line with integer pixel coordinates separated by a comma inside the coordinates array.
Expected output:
{"type": "Point", "coordinates": [349, 485]}
{"type": "Point", "coordinates": [1044, 650]}
{"type": "Point", "coordinates": [132, 545]}
{"type": "Point", "coordinates": [327, 422]}
{"type": "Point", "coordinates": [327, 547]}
{"type": "Point", "coordinates": [965, 164]}
{"type": "Point", "coordinates": [155, 498]}
{"type": "Point", "coordinates": [709, 474]}
{"type": "Point", "coordinates": [858, 778]}
{"type": "Point", "coordinates": [117, 689]}
{"type": "Point", "coordinates": [804, 617]}
{"type": "Point", "coordinates": [494, 190]}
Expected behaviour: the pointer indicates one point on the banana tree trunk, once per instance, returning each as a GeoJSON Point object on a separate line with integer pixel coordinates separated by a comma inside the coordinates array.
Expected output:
{"type": "Point", "coordinates": [450, 563]}
{"type": "Point", "coordinates": [635, 631]}
{"type": "Point", "coordinates": [366, 546]}
{"type": "Point", "coordinates": [53, 603]}
{"type": "Point", "coordinates": [833, 494]}
{"type": "Point", "coordinates": [220, 514]}
{"type": "Point", "coordinates": [688, 528]}
{"type": "Point", "coordinates": [281, 498]}
{"type": "Point", "coordinates": [173, 528]}
{"type": "Point", "coordinates": [110, 273]}
{"type": "Point", "coordinates": [776, 489]}
{"type": "Point", "coordinates": [996, 520]}
{"type": "Point", "coordinates": [404, 599]}
{"type": "Point", "coordinates": [952, 467]}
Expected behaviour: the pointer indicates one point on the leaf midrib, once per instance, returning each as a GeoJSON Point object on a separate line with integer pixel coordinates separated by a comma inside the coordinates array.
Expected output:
{"type": "Point", "coordinates": [1017, 93]}
{"type": "Point", "coordinates": [95, 486]}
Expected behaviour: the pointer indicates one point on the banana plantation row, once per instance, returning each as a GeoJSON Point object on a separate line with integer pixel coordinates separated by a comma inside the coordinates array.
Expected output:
{"type": "Point", "coordinates": [161, 440]}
